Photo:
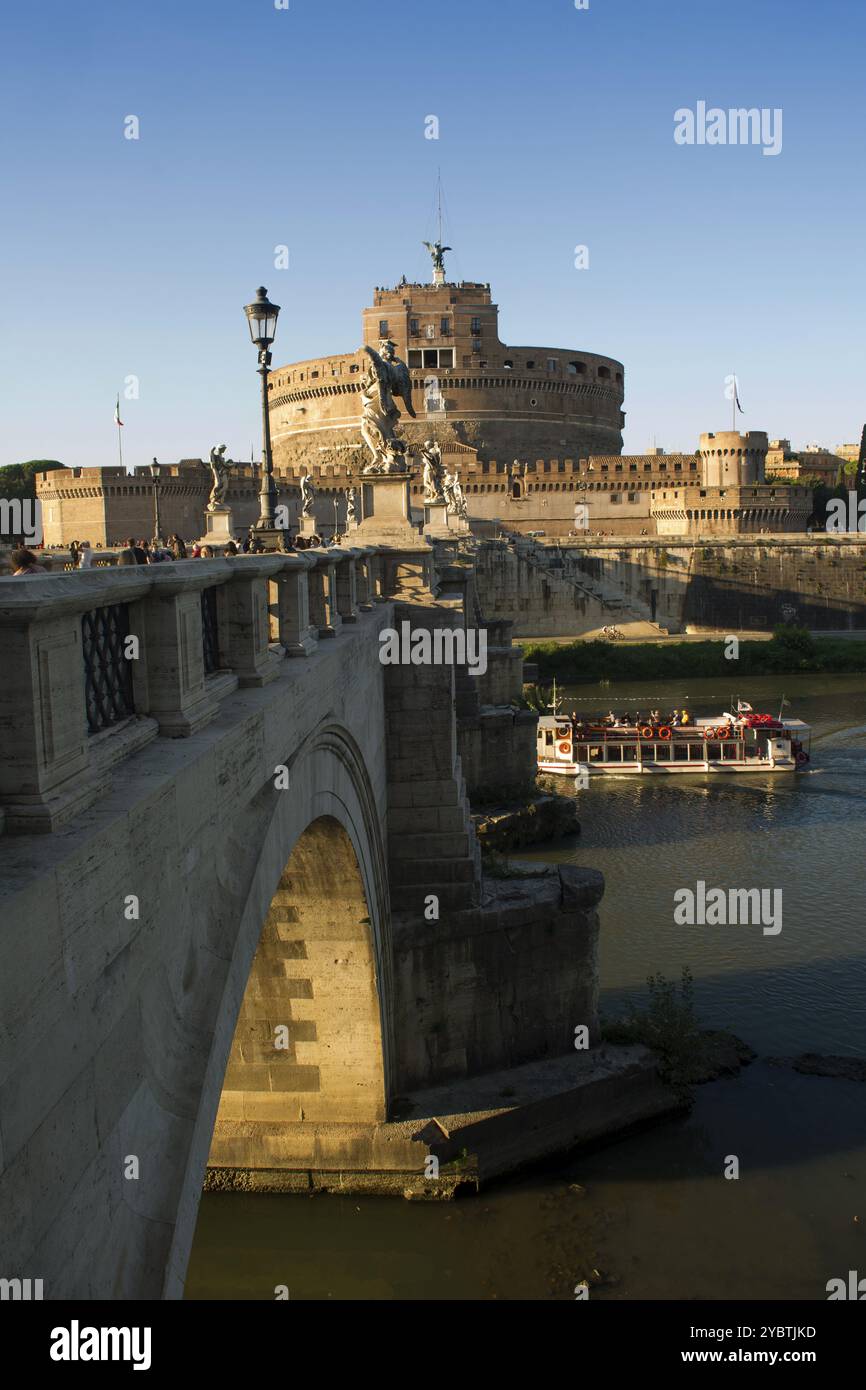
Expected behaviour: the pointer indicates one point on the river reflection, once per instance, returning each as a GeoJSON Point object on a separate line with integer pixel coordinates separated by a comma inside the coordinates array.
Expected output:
{"type": "Point", "coordinates": [656, 1216]}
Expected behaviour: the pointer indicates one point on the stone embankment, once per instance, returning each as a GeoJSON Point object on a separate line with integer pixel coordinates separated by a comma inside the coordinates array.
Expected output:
{"type": "Point", "coordinates": [732, 585]}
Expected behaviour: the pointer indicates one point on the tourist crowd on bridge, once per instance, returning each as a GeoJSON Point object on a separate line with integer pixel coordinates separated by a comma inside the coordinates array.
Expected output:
{"type": "Point", "coordinates": [24, 561]}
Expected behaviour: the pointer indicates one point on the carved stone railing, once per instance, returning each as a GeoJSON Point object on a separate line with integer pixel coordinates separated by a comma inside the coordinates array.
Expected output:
{"type": "Point", "coordinates": [97, 663]}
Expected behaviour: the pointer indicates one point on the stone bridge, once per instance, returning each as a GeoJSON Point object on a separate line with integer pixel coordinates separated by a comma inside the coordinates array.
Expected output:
{"type": "Point", "coordinates": [244, 930]}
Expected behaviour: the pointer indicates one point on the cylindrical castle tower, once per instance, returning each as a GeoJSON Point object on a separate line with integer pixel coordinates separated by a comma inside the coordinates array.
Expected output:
{"type": "Point", "coordinates": [732, 459]}
{"type": "Point", "coordinates": [468, 387]}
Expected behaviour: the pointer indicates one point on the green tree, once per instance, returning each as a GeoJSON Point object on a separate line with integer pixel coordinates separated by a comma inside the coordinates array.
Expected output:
{"type": "Point", "coordinates": [19, 480]}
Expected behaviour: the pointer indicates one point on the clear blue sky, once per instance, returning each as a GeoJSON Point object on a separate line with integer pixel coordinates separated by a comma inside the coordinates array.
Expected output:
{"type": "Point", "coordinates": [306, 127]}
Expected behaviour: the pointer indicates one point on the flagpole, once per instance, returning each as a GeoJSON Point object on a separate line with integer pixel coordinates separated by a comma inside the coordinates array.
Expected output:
{"type": "Point", "coordinates": [734, 407]}
{"type": "Point", "coordinates": [117, 422]}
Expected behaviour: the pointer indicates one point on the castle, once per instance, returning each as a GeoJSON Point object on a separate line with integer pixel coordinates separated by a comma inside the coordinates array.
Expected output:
{"type": "Point", "coordinates": [534, 433]}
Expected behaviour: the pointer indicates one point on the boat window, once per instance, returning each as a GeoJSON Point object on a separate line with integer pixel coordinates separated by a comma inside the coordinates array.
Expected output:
{"type": "Point", "coordinates": [681, 752]}
{"type": "Point", "coordinates": [713, 752]}
{"type": "Point", "coordinates": [582, 752]}
{"type": "Point", "coordinates": [595, 752]}
{"type": "Point", "coordinates": [629, 753]}
{"type": "Point", "coordinates": [663, 752]}
{"type": "Point", "coordinates": [614, 753]}
{"type": "Point", "coordinates": [696, 752]}
{"type": "Point", "coordinates": [548, 738]}
{"type": "Point", "coordinates": [730, 751]}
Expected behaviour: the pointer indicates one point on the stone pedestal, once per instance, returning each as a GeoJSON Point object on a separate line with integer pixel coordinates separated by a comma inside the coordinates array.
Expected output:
{"type": "Point", "coordinates": [307, 527]}
{"type": "Point", "coordinates": [219, 527]}
{"type": "Point", "coordinates": [386, 512]}
{"type": "Point", "coordinates": [271, 538]}
{"type": "Point", "coordinates": [436, 520]}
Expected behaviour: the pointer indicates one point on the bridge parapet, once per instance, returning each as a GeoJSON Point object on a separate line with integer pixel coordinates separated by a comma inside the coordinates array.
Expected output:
{"type": "Point", "coordinates": [101, 662]}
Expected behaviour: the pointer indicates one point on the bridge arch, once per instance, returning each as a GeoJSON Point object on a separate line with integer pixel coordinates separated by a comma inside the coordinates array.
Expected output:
{"type": "Point", "coordinates": [322, 973]}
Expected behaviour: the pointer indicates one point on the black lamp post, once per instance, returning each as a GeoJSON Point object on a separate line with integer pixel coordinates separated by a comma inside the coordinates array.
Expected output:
{"type": "Point", "coordinates": [262, 319]}
{"type": "Point", "coordinates": [157, 533]}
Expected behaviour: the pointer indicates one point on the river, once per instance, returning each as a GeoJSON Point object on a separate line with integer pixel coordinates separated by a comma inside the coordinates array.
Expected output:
{"type": "Point", "coordinates": [653, 1213]}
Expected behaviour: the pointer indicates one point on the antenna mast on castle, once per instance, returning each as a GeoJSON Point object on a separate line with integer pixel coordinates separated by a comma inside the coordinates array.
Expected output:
{"type": "Point", "coordinates": [439, 196]}
{"type": "Point", "coordinates": [436, 249]}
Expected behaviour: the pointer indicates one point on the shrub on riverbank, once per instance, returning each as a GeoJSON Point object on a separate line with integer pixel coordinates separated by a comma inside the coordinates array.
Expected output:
{"type": "Point", "coordinates": [668, 1025]}
{"type": "Point", "coordinates": [791, 649]}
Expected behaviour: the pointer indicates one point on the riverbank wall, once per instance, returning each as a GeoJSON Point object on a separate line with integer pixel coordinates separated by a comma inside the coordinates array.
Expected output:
{"type": "Point", "coordinates": [728, 585]}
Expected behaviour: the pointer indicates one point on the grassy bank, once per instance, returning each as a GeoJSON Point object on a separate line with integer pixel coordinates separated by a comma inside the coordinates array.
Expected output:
{"type": "Point", "coordinates": [791, 649]}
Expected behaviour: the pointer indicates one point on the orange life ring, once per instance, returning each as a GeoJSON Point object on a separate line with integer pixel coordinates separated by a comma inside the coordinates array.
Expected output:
{"type": "Point", "coordinates": [723, 731]}
{"type": "Point", "coordinates": [564, 747]}
{"type": "Point", "coordinates": [665, 731]}
{"type": "Point", "coordinates": [646, 731]}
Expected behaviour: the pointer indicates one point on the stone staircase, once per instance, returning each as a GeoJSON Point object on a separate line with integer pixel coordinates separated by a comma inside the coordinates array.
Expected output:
{"type": "Point", "coordinates": [608, 595]}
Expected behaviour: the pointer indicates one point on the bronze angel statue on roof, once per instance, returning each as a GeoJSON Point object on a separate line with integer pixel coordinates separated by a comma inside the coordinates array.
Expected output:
{"type": "Point", "coordinates": [437, 251]}
{"type": "Point", "coordinates": [386, 377]}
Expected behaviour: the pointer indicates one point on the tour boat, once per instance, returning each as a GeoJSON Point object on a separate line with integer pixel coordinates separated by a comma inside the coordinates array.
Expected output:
{"type": "Point", "coordinates": [740, 742]}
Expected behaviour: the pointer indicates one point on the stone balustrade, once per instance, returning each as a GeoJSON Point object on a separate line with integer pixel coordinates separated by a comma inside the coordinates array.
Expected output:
{"type": "Point", "coordinates": [100, 662]}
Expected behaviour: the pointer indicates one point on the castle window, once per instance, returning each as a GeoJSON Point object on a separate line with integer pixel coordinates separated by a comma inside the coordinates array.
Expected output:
{"type": "Point", "coordinates": [444, 327]}
{"type": "Point", "coordinates": [431, 357]}
{"type": "Point", "coordinates": [413, 327]}
{"type": "Point", "coordinates": [476, 326]}
{"type": "Point", "coordinates": [353, 367]}
{"type": "Point", "coordinates": [508, 363]}
{"type": "Point", "coordinates": [314, 374]}
{"type": "Point", "coordinates": [482, 365]}
{"type": "Point", "coordinates": [476, 344]}
{"type": "Point", "coordinates": [383, 328]}
{"type": "Point", "coordinates": [632, 468]}
{"type": "Point", "coordinates": [415, 357]}
{"type": "Point", "coordinates": [604, 373]}
{"type": "Point", "coordinates": [531, 363]}
{"type": "Point", "coordinates": [619, 377]}
{"type": "Point", "coordinates": [551, 364]}
{"type": "Point", "coordinates": [446, 357]}
{"type": "Point", "coordinates": [467, 361]}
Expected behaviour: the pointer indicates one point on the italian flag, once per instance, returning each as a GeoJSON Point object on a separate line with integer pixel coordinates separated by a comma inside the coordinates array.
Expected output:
{"type": "Point", "coordinates": [117, 419]}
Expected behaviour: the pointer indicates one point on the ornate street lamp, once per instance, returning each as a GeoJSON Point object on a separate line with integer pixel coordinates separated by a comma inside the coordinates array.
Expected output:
{"type": "Point", "coordinates": [154, 473]}
{"type": "Point", "coordinates": [262, 319]}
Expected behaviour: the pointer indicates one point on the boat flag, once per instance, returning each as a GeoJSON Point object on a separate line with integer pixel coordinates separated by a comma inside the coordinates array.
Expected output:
{"type": "Point", "coordinates": [743, 707]}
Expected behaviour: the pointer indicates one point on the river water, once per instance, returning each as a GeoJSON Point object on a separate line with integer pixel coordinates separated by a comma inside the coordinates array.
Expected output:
{"type": "Point", "coordinates": [653, 1213]}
